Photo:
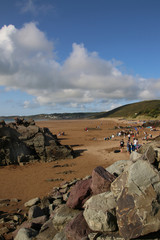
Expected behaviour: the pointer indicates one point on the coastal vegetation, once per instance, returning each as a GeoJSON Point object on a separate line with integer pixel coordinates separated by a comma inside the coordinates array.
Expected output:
{"type": "Point", "coordinates": [139, 110]}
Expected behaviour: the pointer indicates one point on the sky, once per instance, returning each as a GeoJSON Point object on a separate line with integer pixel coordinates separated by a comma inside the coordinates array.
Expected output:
{"type": "Point", "coordinates": [77, 55]}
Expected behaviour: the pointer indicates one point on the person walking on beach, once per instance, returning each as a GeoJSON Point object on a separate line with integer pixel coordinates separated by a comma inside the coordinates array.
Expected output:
{"type": "Point", "coordinates": [121, 145]}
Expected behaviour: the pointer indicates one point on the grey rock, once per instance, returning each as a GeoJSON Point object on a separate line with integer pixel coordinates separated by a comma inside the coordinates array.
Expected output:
{"type": "Point", "coordinates": [63, 215]}
{"type": "Point", "coordinates": [60, 236]}
{"type": "Point", "coordinates": [47, 231]}
{"type": "Point", "coordinates": [35, 212]}
{"type": "Point", "coordinates": [39, 220]}
{"type": "Point", "coordinates": [150, 154]}
{"type": "Point", "coordinates": [117, 168]}
{"type": "Point", "coordinates": [135, 156]}
{"type": "Point", "coordinates": [32, 202]}
{"type": "Point", "coordinates": [57, 202]}
{"type": "Point", "coordinates": [100, 213]}
{"type": "Point", "coordinates": [25, 234]}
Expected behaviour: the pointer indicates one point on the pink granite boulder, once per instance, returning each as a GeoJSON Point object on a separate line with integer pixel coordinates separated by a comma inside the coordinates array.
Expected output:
{"type": "Point", "coordinates": [79, 194]}
{"type": "Point", "coordinates": [101, 180]}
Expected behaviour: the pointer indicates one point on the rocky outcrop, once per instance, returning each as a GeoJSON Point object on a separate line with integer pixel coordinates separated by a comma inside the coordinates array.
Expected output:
{"type": "Point", "coordinates": [23, 141]}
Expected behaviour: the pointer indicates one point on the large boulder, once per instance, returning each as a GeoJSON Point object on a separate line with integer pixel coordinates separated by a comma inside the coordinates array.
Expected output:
{"type": "Point", "coordinates": [118, 167]}
{"type": "Point", "coordinates": [100, 213]}
{"type": "Point", "coordinates": [34, 212]}
{"type": "Point", "coordinates": [79, 194]}
{"type": "Point", "coordinates": [26, 234]}
{"type": "Point", "coordinates": [138, 207]}
{"type": "Point", "coordinates": [101, 180]}
{"type": "Point", "coordinates": [62, 215]}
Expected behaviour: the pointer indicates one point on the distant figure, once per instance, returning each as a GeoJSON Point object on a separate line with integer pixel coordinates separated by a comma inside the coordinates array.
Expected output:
{"type": "Point", "coordinates": [129, 137]}
{"type": "Point", "coordinates": [121, 145]}
{"type": "Point", "coordinates": [129, 147]}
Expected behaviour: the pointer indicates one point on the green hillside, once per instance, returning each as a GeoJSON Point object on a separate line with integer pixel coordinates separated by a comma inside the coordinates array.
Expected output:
{"type": "Point", "coordinates": [147, 109]}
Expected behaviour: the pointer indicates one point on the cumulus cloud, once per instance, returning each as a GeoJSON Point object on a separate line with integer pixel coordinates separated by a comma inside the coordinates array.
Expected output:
{"type": "Point", "coordinates": [28, 63]}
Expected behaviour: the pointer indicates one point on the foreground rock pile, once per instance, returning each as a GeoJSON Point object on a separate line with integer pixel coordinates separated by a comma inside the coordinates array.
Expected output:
{"type": "Point", "coordinates": [120, 202]}
{"type": "Point", "coordinates": [23, 141]}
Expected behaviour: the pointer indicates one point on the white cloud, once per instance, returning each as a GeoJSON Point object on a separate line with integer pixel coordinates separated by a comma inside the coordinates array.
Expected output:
{"type": "Point", "coordinates": [34, 7]}
{"type": "Point", "coordinates": [27, 63]}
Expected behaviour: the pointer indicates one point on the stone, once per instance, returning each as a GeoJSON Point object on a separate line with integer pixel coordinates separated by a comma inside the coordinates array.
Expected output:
{"type": "Point", "coordinates": [63, 215]}
{"type": "Point", "coordinates": [100, 213]}
{"type": "Point", "coordinates": [47, 231]}
{"type": "Point", "coordinates": [134, 156]}
{"type": "Point", "coordinates": [23, 225]}
{"type": "Point", "coordinates": [77, 228]}
{"type": "Point", "coordinates": [138, 208]}
{"type": "Point", "coordinates": [25, 234]}
{"type": "Point", "coordinates": [117, 168]}
{"type": "Point", "coordinates": [60, 236]}
{"type": "Point", "coordinates": [15, 200]}
{"type": "Point", "coordinates": [16, 218]}
{"type": "Point", "coordinates": [39, 220]}
{"type": "Point", "coordinates": [101, 180]}
{"type": "Point", "coordinates": [57, 202]}
{"type": "Point", "coordinates": [79, 194]}
{"type": "Point", "coordinates": [150, 155]}
{"type": "Point", "coordinates": [35, 212]}
{"type": "Point", "coordinates": [32, 202]}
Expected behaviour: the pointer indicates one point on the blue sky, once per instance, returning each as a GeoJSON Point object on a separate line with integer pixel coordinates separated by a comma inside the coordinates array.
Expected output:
{"type": "Point", "coordinates": [77, 55]}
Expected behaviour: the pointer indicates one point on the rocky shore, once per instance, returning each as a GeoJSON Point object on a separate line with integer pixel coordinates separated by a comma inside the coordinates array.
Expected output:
{"type": "Point", "coordinates": [119, 202]}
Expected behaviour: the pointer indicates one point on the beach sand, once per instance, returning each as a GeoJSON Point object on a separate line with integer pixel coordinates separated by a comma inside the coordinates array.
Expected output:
{"type": "Point", "coordinates": [34, 180]}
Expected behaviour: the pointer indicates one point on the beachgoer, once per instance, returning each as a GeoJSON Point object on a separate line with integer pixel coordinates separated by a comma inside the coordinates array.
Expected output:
{"type": "Point", "coordinates": [121, 145]}
{"type": "Point", "coordinates": [132, 147]}
{"type": "Point", "coordinates": [129, 136]}
{"type": "Point", "coordinates": [129, 147]}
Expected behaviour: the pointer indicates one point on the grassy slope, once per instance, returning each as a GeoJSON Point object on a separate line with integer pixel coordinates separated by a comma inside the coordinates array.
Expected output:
{"type": "Point", "coordinates": [147, 109]}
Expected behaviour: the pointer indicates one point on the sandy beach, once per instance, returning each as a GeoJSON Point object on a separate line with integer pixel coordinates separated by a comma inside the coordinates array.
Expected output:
{"type": "Point", "coordinates": [36, 180]}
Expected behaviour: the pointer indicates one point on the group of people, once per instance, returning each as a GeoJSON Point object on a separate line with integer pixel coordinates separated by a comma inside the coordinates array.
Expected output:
{"type": "Point", "coordinates": [130, 146]}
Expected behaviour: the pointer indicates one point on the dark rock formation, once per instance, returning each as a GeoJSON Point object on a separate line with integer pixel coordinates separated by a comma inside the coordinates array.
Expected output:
{"type": "Point", "coordinates": [23, 141]}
